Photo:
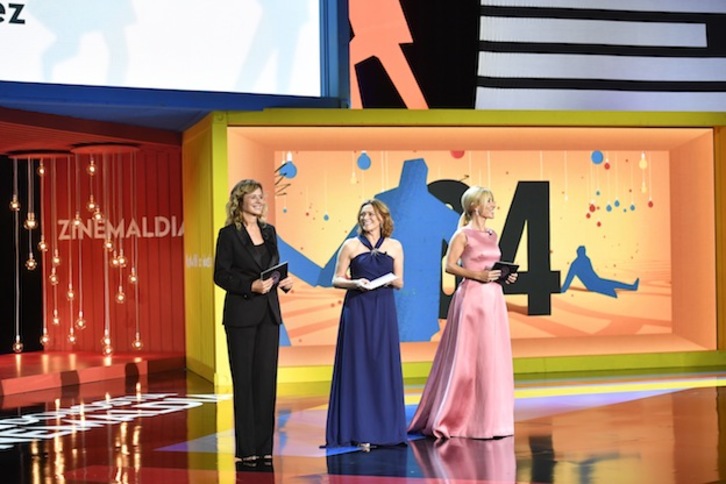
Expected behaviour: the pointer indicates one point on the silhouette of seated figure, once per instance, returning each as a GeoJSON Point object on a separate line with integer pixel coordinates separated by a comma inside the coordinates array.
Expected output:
{"type": "Point", "coordinates": [581, 268]}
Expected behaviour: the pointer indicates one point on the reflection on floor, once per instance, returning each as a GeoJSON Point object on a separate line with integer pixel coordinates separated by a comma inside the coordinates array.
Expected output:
{"type": "Point", "coordinates": [173, 428]}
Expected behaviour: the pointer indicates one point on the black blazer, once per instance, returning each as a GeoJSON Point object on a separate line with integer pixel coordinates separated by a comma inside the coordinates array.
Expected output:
{"type": "Point", "coordinates": [235, 269]}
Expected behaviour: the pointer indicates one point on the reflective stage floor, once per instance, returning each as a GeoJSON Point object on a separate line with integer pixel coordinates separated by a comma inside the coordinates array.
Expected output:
{"type": "Point", "coordinates": [171, 427]}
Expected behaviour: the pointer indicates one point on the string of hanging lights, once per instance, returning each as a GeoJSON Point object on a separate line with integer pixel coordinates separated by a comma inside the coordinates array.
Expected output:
{"type": "Point", "coordinates": [65, 250]}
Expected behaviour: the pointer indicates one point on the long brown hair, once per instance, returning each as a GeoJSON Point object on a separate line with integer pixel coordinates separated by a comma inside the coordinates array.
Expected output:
{"type": "Point", "coordinates": [236, 196]}
{"type": "Point", "coordinates": [382, 210]}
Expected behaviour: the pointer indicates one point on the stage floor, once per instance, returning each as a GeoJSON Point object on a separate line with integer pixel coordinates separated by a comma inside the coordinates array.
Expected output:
{"type": "Point", "coordinates": [172, 427]}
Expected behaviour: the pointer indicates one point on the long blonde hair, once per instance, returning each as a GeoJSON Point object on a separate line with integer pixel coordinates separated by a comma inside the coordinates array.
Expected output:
{"type": "Point", "coordinates": [470, 200]}
{"type": "Point", "coordinates": [234, 205]}
{"type": "Point", "coordinates": [382, 210]}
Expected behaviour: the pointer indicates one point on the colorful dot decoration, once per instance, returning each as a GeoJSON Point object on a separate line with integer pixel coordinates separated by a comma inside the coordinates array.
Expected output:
{"type": "Point", "coordinates": [364, 161]}
{"type": "Point", "coordinates": [288, 169]}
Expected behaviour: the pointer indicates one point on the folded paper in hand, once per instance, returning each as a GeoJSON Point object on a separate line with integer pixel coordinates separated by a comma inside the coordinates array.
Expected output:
{"type": "Point", "coordinates": [506, 268]}
{"type": "Point", "coordinates": [381, 281]}
{"type": "Point", "coordinates": [276, 273]}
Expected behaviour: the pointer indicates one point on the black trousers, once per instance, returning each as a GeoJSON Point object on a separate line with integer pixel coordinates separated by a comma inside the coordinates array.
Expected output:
{"type": "Point", "coordinates": [253, 354]}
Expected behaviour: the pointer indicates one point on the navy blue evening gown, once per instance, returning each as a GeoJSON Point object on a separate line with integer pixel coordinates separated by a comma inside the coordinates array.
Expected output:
{"type": "Point", "coordinates": [366, 396]}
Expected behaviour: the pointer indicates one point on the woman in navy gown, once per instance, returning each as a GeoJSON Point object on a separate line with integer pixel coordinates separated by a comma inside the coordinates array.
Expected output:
{"type": "Point", "coordinates": [366, 397]}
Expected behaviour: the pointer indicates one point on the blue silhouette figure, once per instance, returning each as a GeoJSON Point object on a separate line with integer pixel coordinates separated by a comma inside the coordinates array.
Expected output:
{"type": "Point", "coordinates": [422, 224]}
{"type": "Point", "coordinates": [582, 268]}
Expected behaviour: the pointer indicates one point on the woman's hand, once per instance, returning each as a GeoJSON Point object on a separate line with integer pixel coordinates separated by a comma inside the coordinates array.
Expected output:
{"type": "Point", "coordinates": [262, 286]}
{"type": "Point", "coordinates": [286, 284]}
{"type": "Point", "coordinates": [362, 284]}
{"type": "Point", "coordinates": [489, 275]}
{"type": "Point", "coordinates": [512, 278]}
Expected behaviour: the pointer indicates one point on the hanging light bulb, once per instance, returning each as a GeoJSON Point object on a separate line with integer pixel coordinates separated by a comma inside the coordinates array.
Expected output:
{"type": "Point", "coordinates": [81, 321]}
{"type": "Point", "coordinates": [97, 215]}
{"type": "Point", "coordinates": [70, 294]}
{"type": "Point", "coordinates": [18, 345]}
{"type": "Point", "coordinates": [15, 204]}
{"type": "Point", "coordinates": [108, 245]}
{"type": "Point", "coordinates": [53, 277]}
{"type": "Point", "coordinates": [56, 260]}
{"type": "Point", "coordinates": [106, 340]}
{"type": "Point", "coordinates": [364, 160]}
{"type": "Point", "coordinates": [91, 167]}
{"type": "Point", "coordinates": [31, 264]}
{"type": "Point", "coordinates": [42, 244]}
{"type": "Point", "coordinates": [137, 344]}
{"type": "Point", "coordinates": [45, 339]}
{"type": "Point", "coordinates": [114, 260]}
{"type": "Point", "coordinates": [41, 169]}
{"type": "Point", "coordinates": [133, 278]}
{"type": "Point", "coordinates": [56, 319]}
{"type": "Point", "coordinates": [122, 260]}
{"type": "Point", "coordinates": [120, 295]}
{"type": "Point", "coordinates": [91, 205]}
{"type": "Point", "coordinates": [72, 338]}
{"type": "Point", "coordinates": [30, 222]}
{"type": "Point", "coordinates": [107, 350]}
{"type": "Point", "coordinates": [77, 219]}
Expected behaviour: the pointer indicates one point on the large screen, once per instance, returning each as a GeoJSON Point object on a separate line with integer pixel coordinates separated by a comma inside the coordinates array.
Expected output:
{"type": "Point", "coordinates": [239, 46]}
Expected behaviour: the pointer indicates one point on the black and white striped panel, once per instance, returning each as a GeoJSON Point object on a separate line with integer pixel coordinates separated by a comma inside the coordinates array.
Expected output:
{"type": "Point", "coordinates": [651, 55]}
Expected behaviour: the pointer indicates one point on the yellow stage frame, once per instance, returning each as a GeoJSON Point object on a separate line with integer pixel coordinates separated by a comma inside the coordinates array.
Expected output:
{"type": "Point", "coordinates": [205, 183]}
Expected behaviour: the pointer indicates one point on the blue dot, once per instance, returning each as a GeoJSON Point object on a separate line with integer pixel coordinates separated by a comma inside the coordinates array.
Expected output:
{"type": "Point", "coordinates": [597, 193]}
{"type": "Point", "coordinates": [364, 161]}
{"type": "Point", "coordinates": [609, 208]}
{"type": "Point", "coordinates": [617, 203]}
{"type": "Point", "coordinates": [288, 170]}
{"type": "Point", "coordinates": [632, 207]}
{"type": "Point", "coordinates": [326, 217]}
{"type": "Point", "coordinates": [597, 157]}
{"type": "Point", "coordinates": [284, 210]}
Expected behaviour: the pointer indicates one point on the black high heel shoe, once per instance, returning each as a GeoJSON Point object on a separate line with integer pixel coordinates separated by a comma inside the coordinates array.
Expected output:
{"type": "Point", "coordinates": [249, 460]}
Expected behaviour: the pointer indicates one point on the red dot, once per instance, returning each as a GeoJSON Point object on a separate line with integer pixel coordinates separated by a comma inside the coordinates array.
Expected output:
{"type": "Point", "coordinates": [650, 203]}
{"type": "Point", "coordinates": [607, 166]}
{"type": "Point", "coordinates": [587, 215]}
{"type": "Point", "coordinates": [599, 224]}
{"type": "Point", "coordinates": [457, 153]}
{"type": "Point", "coordinates": [592, 207]}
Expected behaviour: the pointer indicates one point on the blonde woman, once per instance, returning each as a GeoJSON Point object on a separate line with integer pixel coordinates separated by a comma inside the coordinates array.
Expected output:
{"type": "Point", "coordinates": [470, 390]}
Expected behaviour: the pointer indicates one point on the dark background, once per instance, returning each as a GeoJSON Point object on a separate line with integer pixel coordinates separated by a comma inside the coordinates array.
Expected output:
{"type": "Point", "coordinates": [31, 290]}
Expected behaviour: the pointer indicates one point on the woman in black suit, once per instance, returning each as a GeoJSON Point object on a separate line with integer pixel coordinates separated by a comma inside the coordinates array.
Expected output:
{"type": "Point", "coordinates": [246, 246]}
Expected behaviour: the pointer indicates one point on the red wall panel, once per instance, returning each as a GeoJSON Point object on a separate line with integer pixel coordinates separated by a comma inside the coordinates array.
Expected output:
{"type": "Point", "coordinates": [139, 193]}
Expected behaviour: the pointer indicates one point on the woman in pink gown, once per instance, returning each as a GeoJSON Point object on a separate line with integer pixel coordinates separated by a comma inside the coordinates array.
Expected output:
{"type": "Point", "coordinates": [470, 390]}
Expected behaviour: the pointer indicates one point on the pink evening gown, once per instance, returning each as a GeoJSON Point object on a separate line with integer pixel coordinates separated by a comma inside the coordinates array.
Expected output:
{"type": "Point", "coordinates": [470, 390]}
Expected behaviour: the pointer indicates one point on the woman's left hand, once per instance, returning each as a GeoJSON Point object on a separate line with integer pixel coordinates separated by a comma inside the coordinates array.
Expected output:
{"type": "Point", "coordinates": [512, 278]}
{"type": "Point", "coordinates": [286, 284]}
